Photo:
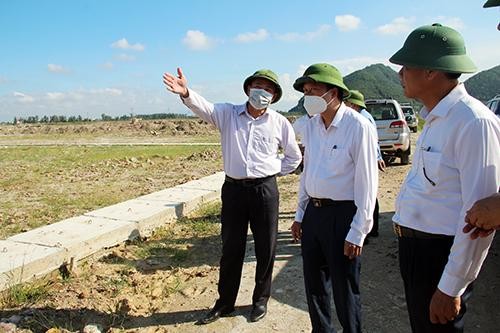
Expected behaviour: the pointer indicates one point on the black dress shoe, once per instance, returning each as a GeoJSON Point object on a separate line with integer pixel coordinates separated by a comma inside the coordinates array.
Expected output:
{"type": "Point", "coordinates": [258, 312]}
{"type": "Point", "coordinates": [215, 314]}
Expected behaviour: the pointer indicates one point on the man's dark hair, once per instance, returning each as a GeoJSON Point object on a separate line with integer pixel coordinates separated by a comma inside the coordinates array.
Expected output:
{"type": "Point", "coordinates": [340, 92]}
{"type": "Point", "coordinates": [453, 76]}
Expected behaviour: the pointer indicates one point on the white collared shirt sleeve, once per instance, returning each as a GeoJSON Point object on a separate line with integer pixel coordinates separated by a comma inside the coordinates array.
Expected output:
{"type": "Point", "coordinates": [203, 108]}
{"type": "Point", "coordinates": [479, 164]}
{"type": "Point", "coordinates": [303, 198]}
{"type": "Point", "coordinates": [291, 151]}
{"type": "Point", "coordinates": [365, 184]}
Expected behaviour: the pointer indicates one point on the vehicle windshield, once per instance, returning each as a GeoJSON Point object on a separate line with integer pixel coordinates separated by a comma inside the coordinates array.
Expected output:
{"type": "Point", "coordinates": [382, 111]}
{"type": "Point", "coordinates": [408, 111]}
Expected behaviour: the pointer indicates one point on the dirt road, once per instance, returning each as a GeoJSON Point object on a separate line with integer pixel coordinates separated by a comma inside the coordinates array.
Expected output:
{"type": "Point", "coordinates": [126, 292]}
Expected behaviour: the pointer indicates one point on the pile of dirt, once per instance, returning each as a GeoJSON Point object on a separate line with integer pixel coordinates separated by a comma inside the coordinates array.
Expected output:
{"type": "Point", "coordinates": [136, 127]}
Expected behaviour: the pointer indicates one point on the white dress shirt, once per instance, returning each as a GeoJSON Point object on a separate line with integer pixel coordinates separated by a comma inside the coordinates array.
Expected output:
{"type": "Point", "coordinates": [340, 163]}
{"type": "Point", "coordinates": [459, 148]}
{"type": "Point", "coordinates": [368, 116]}
{"type": "Point", "coordinates": [298, 126]}
{"type": "Point", "coordinates": [249, 145]}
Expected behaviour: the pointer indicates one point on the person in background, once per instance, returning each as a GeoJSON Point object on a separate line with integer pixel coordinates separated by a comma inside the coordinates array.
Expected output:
{"type": "Point", "coordinates": [298, 125]}
{"type": "Point", "coordinates": [483, 217]}
{"type": "Point", "coordinates": [356, 101]}
{"type": "Point", "coordinates": [456, 162]}
{"type": "Point", "coordinates": [336, 198]}
{"type": "Point", "coordinates": [251, 135]}
{"type": "Point", "coordinates": [492, 3]}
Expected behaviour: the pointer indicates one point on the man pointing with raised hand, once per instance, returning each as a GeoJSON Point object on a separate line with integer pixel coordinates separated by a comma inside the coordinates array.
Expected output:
{"type": "Point", "coordinates": [251, 135]}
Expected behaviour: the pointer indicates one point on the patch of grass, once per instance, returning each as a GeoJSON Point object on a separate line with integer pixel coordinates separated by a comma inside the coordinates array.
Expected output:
{"type": "Point", "coordinates": [23, 294]}
{"type": "Point", "coordinates": [41, 185]}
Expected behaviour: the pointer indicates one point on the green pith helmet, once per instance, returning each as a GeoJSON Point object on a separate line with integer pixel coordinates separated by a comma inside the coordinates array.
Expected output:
{"type": "Point", "coordinates": [435, 47]}
{"type": "Point", "coordinates": [491, 3]}
{"type": "Point", "coordinates": [322, 73]}
{"type": "Point", "coordinates": [268, 75]}
{"type": "Point", "coordinates": [357, 98]}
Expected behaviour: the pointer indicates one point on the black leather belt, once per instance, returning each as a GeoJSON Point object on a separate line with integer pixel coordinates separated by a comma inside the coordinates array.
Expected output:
{"type": "Point", "coordinates": [401, 231]}
{"type": "Point", "coordinates": [248, 182]}
{"type": "Point", "coordinates": [317, 202]}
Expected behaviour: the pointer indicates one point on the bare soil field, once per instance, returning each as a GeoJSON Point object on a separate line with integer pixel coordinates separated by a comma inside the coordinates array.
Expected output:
{"type": "Point", "coordinates": [167, 282]}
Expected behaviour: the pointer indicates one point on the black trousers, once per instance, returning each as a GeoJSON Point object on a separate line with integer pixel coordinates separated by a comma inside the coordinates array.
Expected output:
{"type": "Point", "coordinates": [241, 205]}
{"type": "Point", "coordinates": [421, 262]}
{"type": "Point", "coordinates": [326, 268]}
{"type": "Point", "coordinates": [374, 231]}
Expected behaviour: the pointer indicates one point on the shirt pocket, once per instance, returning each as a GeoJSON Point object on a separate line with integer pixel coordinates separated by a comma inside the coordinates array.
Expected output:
{"type": "Point", "coordinates": [339, 160]}
{"type": "Point", "coordinates": [431, 165]}
{"type": "Point", "coordinates": [266, 145]}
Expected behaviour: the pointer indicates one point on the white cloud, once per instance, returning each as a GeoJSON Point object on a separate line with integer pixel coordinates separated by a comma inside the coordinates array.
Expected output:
{"type": "Point", "coordinates": [453, 22]}
{"type": "Point", "coordinates": [294, 36]}
{"type": "Point", "coordinates": [249, 37]}
{"type": "Point", "coordinates": [107, 65]}
{"type": "Point", "coordinates": [197, 40]}
{"type": "Point", "coordinates": [23, 98]}
{"type": "Point", "coordinates": [55, 96]}
{"type": "Point", "coordinates": [398, 26]}
{"type": "Point", "coordinates": [125, 57]}
{"type": "Point", "coordinates": [110, 92]}
{"type": "Point", "coordinates": [124, 45]}
{"type": "Point", "coordinates": [3, 79]}
{"type": "Point", "coordinates": [347, 22]}
{"type": "Point", "coordinates": [53, 68]}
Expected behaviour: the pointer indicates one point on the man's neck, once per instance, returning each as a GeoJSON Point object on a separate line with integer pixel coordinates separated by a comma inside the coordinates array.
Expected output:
{"type": "Point", "coordinates": [254, 112]}
{"type": "Point", "coordinates": [436, 94]}
{"type": "Point", "coordinates": [330, 113]}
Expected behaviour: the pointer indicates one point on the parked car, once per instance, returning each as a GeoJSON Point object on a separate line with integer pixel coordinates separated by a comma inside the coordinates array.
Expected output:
{"type": "Point", "coordinates": [393, 131]}
{"type": "Point", "coordinates": [494, 104]}
{"type": "Point", "coordinates": [410, 116]}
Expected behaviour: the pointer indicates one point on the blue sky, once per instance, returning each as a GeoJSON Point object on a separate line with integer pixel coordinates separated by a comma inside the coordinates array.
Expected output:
{"type": "Point", "coordinates": [93, 57]}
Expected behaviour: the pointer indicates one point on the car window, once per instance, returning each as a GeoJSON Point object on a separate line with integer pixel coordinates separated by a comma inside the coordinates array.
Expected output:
{"type": "Point", "coordinates": [382, 111]}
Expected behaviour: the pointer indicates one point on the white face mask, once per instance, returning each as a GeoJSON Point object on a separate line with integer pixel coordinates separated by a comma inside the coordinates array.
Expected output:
{"type": "Point", "coordinates": [315, 104]}
{"type": "Point", "coordinates": [259, 98]}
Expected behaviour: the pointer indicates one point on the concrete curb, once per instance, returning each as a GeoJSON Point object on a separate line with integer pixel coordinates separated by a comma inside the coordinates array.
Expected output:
{"type": "Point", "coordinates": [33, 254]}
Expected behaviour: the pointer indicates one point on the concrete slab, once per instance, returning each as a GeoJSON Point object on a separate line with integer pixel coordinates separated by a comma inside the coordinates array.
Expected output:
{"type": "Point", "coordinates": [80, 236]}
{"type": "Point", "coordinates": [21, 262]}
{"type": "Point", "coordinates": [148, 215]}
{"type": "Point", "coordinates": [40, 251]}
{"type": "Point", "coordinates": [185, 199]}
{"type": "Point", "coordinates": [212, 183]}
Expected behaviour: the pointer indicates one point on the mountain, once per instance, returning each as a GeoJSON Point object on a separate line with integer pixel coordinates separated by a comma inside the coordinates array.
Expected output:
{"type": "Point", "coordinates": [484, 85]}
{"type": "Point", "coordinates": [380, 81]}
{"type": "Point", "coordinates": [376, 81]}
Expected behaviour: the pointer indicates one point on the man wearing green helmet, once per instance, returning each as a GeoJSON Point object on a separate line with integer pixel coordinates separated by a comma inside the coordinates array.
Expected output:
{"type": "Point", "coordinates": [456, 163]}
{"type": "Point", "coordinates": [336, 200]}
{"type": "Point", "coordinates": [251, 134]}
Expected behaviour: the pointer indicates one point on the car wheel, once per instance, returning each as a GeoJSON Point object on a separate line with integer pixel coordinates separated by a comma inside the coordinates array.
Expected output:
{"type": "Point", "coordinates": [414, 129]}
{"type": "Point", "coordinates": [405, 157]}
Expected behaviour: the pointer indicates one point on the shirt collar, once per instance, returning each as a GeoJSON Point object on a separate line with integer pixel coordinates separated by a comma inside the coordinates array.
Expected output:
{"type": "Point", "coordinates": [339, 115]}
{"type": "Point", "coordinates": [336, 120]}
{"type": "Point", "coordinates": [444, 106]}
{"type": "Point", "coordinates": [242, 109]}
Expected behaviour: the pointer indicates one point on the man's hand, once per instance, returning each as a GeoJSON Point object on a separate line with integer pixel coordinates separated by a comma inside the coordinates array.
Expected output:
{"type": "Point", "coordinates": [485, 213]}
{"type": "Point", "coordinates": [476, 232]}
{"type": "Point", "coordinates": [443, 308]}
{"type": "Point", "coordinates": [296, 229]}
{"type": "Point", "coordinates": [177, 85]}
{"type": "Point", "coordinates": [352, 250]}
{"type": "Point", "coordinates": [381, 165]}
